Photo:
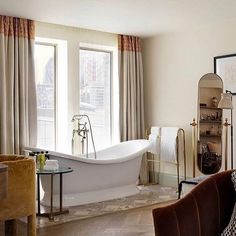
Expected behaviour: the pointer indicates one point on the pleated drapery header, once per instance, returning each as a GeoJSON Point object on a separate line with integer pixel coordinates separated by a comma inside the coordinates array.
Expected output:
{"type": "Point", "coordinates": [17, 27]}
{"type": "Point", "coordinates": [129, 43]}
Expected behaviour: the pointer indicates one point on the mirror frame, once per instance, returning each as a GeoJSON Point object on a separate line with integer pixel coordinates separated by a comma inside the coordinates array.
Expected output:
{"type": "Point", "coordinates": [198, 121]}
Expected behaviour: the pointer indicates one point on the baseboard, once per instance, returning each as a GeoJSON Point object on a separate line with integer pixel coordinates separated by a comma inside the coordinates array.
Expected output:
{"type": "Point", "coordinates": [166, 179]}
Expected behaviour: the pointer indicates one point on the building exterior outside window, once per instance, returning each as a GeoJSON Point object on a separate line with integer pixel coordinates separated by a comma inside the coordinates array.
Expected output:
{"type": "Point", "coordinates": [95, 93]}
{"type": "Point", "coordinates": [46, 93]}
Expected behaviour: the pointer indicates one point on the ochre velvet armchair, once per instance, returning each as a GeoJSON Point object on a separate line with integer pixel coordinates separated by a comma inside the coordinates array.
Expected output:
{"type": "Point", "coordinates": [205, 211]}
{"type": "Point", "coordinates": [20, 199]}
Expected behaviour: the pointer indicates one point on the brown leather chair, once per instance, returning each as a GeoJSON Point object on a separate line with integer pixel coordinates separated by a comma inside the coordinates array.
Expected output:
{"type": "Point", "coordinates": [20, 199]}
{"type": "Point", "coordinates": [205, 211]}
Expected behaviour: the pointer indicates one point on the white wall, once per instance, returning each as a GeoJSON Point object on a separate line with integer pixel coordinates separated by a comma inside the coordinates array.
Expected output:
{"type": "Point", "coordinates": [173, 65]}
{"type": "Point", "coordinates": [73, 37]}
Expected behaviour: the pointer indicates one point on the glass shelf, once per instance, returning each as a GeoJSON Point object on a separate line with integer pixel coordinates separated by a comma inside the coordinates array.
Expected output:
{"type": "Point", "coordinates": [209, 136]}
{"type": "Point", "coordinates": [212, 108]}
{"type": "Point", "coordinates": [211, 121]}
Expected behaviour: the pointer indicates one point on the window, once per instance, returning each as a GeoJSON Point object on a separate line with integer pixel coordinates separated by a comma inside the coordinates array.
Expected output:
{"type": "Point", "coordinates": [45, 89]}
{"type": "Point", "coordinates": [95, 93]}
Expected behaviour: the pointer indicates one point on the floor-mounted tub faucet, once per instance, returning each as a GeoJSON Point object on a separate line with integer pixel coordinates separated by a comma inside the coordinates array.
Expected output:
{"type": "Point", "coordinates": [82, 131]}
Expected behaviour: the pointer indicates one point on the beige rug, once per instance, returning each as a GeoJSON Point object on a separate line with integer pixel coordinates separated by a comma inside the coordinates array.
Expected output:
{"type": "Point", "coordinates": [148, 195]}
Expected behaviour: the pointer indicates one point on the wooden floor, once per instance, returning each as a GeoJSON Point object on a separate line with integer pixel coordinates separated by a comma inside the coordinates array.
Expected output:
{"type": "Point", "coordinates": [127, 223]}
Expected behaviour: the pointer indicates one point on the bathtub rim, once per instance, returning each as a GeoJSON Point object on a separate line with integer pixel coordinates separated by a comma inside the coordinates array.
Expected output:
{"type": "Point", "coordinates": [98, 161]}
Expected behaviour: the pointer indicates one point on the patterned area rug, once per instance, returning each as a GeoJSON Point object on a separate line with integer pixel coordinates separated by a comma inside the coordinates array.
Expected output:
{"type": "Point", "coordinates": [148, 195]}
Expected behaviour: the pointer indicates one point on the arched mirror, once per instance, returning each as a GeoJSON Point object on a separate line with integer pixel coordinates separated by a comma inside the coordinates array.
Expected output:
{"type": "Point", "coordinates": [209, 156]}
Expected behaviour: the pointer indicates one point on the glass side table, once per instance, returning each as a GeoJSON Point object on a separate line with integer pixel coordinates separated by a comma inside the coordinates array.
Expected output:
{"type": "Point", "coordinates": [60, 171]}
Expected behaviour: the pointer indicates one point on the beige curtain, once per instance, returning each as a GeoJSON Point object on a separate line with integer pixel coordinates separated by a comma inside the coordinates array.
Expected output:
{"type": "Point", "coordinates": [131, 94]}
{"type": "Point", "coordinates": [17, 85]}
{"type": "Point", "coordinates": [131, 88]}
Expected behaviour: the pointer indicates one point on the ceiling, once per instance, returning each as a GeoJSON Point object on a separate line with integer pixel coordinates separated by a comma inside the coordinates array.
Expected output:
{"type": "Point", "coordinates": [133, 17]}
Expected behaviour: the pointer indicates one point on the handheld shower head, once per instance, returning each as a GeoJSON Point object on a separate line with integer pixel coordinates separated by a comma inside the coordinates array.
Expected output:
{"type": "Point", "coordinates": [77, 117]}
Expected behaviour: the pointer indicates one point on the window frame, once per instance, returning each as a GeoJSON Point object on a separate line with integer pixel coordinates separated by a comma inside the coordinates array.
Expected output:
{"type": "Point", "coordinates": [111, 53]}
{"type": "Point", "coordinates": [55, 46]}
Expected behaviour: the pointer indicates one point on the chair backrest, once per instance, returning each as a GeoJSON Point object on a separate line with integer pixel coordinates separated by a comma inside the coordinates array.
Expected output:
{"type": "Point", "coordinates": [20, 200]}
{"type": "Point", "coordinates": [205, 211]}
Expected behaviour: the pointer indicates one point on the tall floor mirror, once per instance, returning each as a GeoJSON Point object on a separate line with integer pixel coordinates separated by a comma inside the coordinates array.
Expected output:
{"type": "Point", "coordinates": [209, 131]}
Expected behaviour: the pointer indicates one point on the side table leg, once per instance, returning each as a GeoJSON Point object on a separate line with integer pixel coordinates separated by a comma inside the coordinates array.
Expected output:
{"type": "Point", "coordinates": [60, 192]}
{"type": "Point", "coordinates": [51, 217]}
{"type": "Point", "coordinates": [38, 191]}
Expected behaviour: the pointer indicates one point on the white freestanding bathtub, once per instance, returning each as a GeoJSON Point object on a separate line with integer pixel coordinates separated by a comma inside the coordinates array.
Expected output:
{"type": "Point", "coordinates": [114, 174]}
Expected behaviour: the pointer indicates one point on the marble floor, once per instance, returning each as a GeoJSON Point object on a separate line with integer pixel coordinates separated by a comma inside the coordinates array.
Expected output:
{"type": "Point", "coordinates": [130, 216]}
{"type": "Point", "coordinates": [134, 222]}
{"type": "Point", "coordinates": [147, 196]}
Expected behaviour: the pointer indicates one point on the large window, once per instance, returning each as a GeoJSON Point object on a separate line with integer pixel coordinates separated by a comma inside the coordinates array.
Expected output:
{"type": "Point", "coordinates": [95, 93]}
{"type": "Point", "coordinates": [45, 82]}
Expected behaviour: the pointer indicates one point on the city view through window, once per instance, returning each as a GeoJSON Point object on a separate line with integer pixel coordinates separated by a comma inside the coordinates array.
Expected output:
{"type": "Point", "coordinates": [95, 94]}
{"type": "Point", "coordinates": [45, 87]}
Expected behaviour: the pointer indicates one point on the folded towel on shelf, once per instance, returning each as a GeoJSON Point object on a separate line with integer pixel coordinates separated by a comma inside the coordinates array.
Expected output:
{"type": "Point", "coordinates": [169, 144]}
{"type": "Point", "coordinates": [155, 144]}
{"type": "Point", "coordinates": [51, 162]}
{"type": "Point", "coordinates": [51, 165]}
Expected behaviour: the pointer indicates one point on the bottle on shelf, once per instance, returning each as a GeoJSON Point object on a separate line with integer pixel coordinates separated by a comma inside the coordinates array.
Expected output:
{"type": "Point", "coordinates": [47, 156]}
{"type": "Point", "coordinates": [212, 130]}
{"type": "Point", "coordinates": [214, 102]}
{"type": "Point", "coordinates": [41, 160]}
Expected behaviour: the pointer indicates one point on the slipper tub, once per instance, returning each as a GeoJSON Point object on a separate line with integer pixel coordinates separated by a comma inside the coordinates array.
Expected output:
{"type": "Point", "coordinates": [114, 174]}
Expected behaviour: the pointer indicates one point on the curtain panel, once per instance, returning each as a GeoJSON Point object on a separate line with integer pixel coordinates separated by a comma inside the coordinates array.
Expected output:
{"type": "Point", "coordinates": [131, 94]}
{"type": "Point", "coordinates": [18, 118]}
{"type": "Point", "coordinates": [131, 88]}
